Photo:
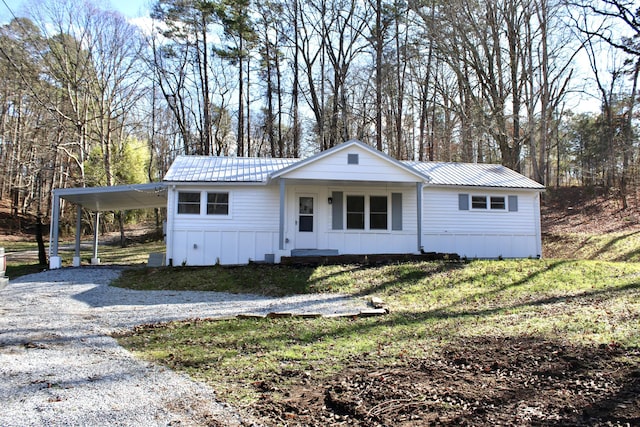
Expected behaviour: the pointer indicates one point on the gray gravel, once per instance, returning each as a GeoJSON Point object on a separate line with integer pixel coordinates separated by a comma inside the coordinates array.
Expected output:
{"type": "Point", "coordinates": [59, 365]}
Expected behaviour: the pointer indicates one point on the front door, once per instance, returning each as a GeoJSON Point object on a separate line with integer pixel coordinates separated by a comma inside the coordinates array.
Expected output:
{"type": "Point", "coordinates": [306, 223]}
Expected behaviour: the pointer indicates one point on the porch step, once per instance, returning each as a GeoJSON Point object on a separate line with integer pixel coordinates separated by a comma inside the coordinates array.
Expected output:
{"type": "Point", "coordinates": [313, 252]}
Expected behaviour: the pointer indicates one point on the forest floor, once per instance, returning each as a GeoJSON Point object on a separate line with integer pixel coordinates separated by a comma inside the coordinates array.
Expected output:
{"type": "Point", "coordinates": [570, 210]}
{"type": "Point", "coordinates": [483, 380]}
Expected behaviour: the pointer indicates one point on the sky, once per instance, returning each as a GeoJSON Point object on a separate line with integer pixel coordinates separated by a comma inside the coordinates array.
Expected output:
{"type": "Point", "coordinates": [129, 8]}
{"type": "Point", "coordinates": [137, 12]}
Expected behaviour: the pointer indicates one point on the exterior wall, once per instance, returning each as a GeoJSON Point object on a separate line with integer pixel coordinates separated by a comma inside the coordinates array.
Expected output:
{"type": "Point", "coordinates": [251, 229]}
{"type": "Point", "coordinates": [355, 241]}
{"type": "Point", "coordinates": [248, 233]}
{"type": "Point", "coordinates": [335, 167]}
{"type": "Point", "coordinates": [481, 233]}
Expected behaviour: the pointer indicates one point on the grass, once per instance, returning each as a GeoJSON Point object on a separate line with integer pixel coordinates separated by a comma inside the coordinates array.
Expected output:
{"type": "Point", "coordinates": [622, 246]}
{"type": "Point", "coordinates": [134, 253]}
{"type": "Point", "coordinates": [274, 280]}
{"type": "Point", "coordinates": [432, 303]}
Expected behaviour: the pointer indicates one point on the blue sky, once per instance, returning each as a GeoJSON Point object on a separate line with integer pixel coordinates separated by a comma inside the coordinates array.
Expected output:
{"type": "Point", "coordinates": [129, 8]}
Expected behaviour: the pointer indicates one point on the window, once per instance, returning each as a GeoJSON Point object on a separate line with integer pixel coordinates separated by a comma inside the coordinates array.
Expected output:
{"type": "Point", "coordinates": [217, 203]}
{"type": "Point", "coordinates": [479, 202]}
{"type": "Point", "coordinates": [378, 212]}
{"type": "Point", "coordinates": [498, 202]}
{"type": "Point", "coordinates": [305, 217]}
{"type": "Point", "coordinates": [494, 203]}
{"type": "Point", "coordinates": [353, 159]}
{"type": "Point", "coordinates": [189, 203]}
{"type": "Point", "coordinates": [355, 212]}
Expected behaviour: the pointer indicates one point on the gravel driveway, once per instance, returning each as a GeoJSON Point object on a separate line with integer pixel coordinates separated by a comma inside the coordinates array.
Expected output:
{"type": "Point", "coordinates": [59, 366]}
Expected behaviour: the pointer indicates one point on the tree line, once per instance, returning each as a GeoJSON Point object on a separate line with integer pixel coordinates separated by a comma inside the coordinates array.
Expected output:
{"type": "Point", "coordinates": [88, 98]}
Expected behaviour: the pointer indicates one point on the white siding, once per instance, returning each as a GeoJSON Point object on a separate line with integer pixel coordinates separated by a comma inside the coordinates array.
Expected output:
{"type": "Point", "coordinates": [481, 233]}
{"type": "Point", "coordinates": [252, 228]}
{"type": "Point", "coordinates": [248, 233]}
{"type": "Point", "coordinates": [370, 167]}
{"type": "Point", "coordinates": [357, 241]}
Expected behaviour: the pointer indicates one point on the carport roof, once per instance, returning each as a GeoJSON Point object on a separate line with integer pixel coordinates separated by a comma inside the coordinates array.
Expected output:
{"type": "Point", "coordinates": [117, 197]}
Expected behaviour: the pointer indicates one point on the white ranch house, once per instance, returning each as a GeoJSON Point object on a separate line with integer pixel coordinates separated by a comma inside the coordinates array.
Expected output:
{"type": "Point", "coordinates": [351, 199]}
{"type": "Point", "coordinates": [348, 200]}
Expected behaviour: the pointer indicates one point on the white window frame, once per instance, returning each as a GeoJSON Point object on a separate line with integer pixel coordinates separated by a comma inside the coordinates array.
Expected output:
{"type": "Point", "coordinates": [504, 203]}
{"type": "Point", "coordinates": [204, 201]}
{"type": "Point", "coordinates": [214, 215]}
{"type": "Point", "coordinates": [365, 225]}
{"type": "Point", "coordinates": [367, 212]}
{"type": "Point", "coordinates": [386, 212]}
{"type": "Point", "coordinates": [478, 196]}
{"type": "Point", "coordinates": [178, 203]}
{"type": "Point", "coordinates": [488, 203]}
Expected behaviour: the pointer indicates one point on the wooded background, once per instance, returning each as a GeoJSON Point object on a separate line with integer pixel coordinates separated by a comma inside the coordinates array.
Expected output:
{"type": "Point", "coordinates": [88, 98]}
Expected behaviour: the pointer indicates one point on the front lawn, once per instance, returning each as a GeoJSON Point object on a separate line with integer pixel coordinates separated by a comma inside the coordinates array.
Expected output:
{"type": "Point", "coordinates": [486, 342]}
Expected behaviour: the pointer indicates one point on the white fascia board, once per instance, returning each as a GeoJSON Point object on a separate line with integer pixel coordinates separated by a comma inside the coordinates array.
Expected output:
{"type": "Point", "coordinates": [482, 187]}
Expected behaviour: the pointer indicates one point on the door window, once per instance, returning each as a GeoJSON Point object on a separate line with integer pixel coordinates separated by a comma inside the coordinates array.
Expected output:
{"type": "Point", "coordinates": [305, 217]}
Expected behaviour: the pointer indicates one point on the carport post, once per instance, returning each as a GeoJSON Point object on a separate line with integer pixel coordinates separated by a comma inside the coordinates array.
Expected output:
{"type": "Point", "coordinates": [95, 260]}
{"type": "Point", "coordinates": [76, 257]}
{"type": "Point", "coordinates": [54, 259]}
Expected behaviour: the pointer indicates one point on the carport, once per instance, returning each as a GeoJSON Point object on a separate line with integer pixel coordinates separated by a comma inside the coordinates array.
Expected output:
{"type": "Point", "coordinates": [100, 199]}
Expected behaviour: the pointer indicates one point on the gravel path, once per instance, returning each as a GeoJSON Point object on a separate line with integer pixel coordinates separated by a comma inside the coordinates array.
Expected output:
{"type": "Point", "coordinates": [59, 366]}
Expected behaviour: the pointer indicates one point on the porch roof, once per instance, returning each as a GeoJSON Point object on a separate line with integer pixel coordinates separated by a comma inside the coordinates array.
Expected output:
{"type": "Point", "coordinates": [117, 197]}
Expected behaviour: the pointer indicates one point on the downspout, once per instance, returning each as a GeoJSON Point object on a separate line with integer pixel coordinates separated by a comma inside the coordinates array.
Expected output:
{"type": "Point", "coordinates": [281, 224]}
{"type": "Point", "coordinates": [537, 221]}
{"type": "Point", "coordinates": [419, 189]}
{"type": "Point", "coordinates": [171, 190]}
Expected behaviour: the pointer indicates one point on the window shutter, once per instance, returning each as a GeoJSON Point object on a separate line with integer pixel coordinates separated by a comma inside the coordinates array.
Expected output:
{"type": "Point", "coordinates": [513, 203]}
{"type": "Point", "coordinates": [336, 210]}
{"type": "Point", "coordinates": [463, 202]}
{"type": "Point", "coordinates": [396, 211]}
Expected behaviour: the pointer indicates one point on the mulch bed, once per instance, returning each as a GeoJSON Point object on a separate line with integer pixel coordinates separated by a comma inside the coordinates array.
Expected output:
{"type": "Point", "coordinates": [484, 381]}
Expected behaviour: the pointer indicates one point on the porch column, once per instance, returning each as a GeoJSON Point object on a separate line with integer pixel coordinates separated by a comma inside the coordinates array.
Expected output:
{"type": "Point", "coordinates": [419, 187]}
{"type": "Point", "coordinates": [95, 260]}
{"type": "Point", "coordinates": [281, 226]}
{"type": "Point", "coordinates": [76, 256]}
{"type": "Point", "coordinates": [54, 259]}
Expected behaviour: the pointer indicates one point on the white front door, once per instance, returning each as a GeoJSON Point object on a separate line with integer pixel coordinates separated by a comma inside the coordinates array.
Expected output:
{"type": "Point", "coordinates": [306, 221]}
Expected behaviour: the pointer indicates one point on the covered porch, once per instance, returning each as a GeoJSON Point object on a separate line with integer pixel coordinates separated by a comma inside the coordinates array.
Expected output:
{"type": "Point", "coordinates": [98, 200]}
{"type": "Point", "coordinates": [319, 217]}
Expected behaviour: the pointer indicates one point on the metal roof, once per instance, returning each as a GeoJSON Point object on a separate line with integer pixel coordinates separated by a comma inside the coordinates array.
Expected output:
{"type": "Point", "coordinates": [224, 169]}
{"type": "Point", "coordinates": [204, 169]}
{"type": "Point", "coordinates": [473, 175]}
{"type": "Point", "coordinates": [117, 197]}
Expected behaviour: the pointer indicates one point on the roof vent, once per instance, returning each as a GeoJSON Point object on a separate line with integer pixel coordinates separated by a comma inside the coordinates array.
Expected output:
{"type": "Point", "coordinates": [352, 159]}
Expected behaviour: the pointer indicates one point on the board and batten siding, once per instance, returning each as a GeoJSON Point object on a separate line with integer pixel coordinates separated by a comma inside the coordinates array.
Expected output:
{"type": "Point", "coordinates": [248, 233]}
{"type": "Point", "coordinates": [336, 167]}
{"type": "Point", "coordinates": [476, 233]}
